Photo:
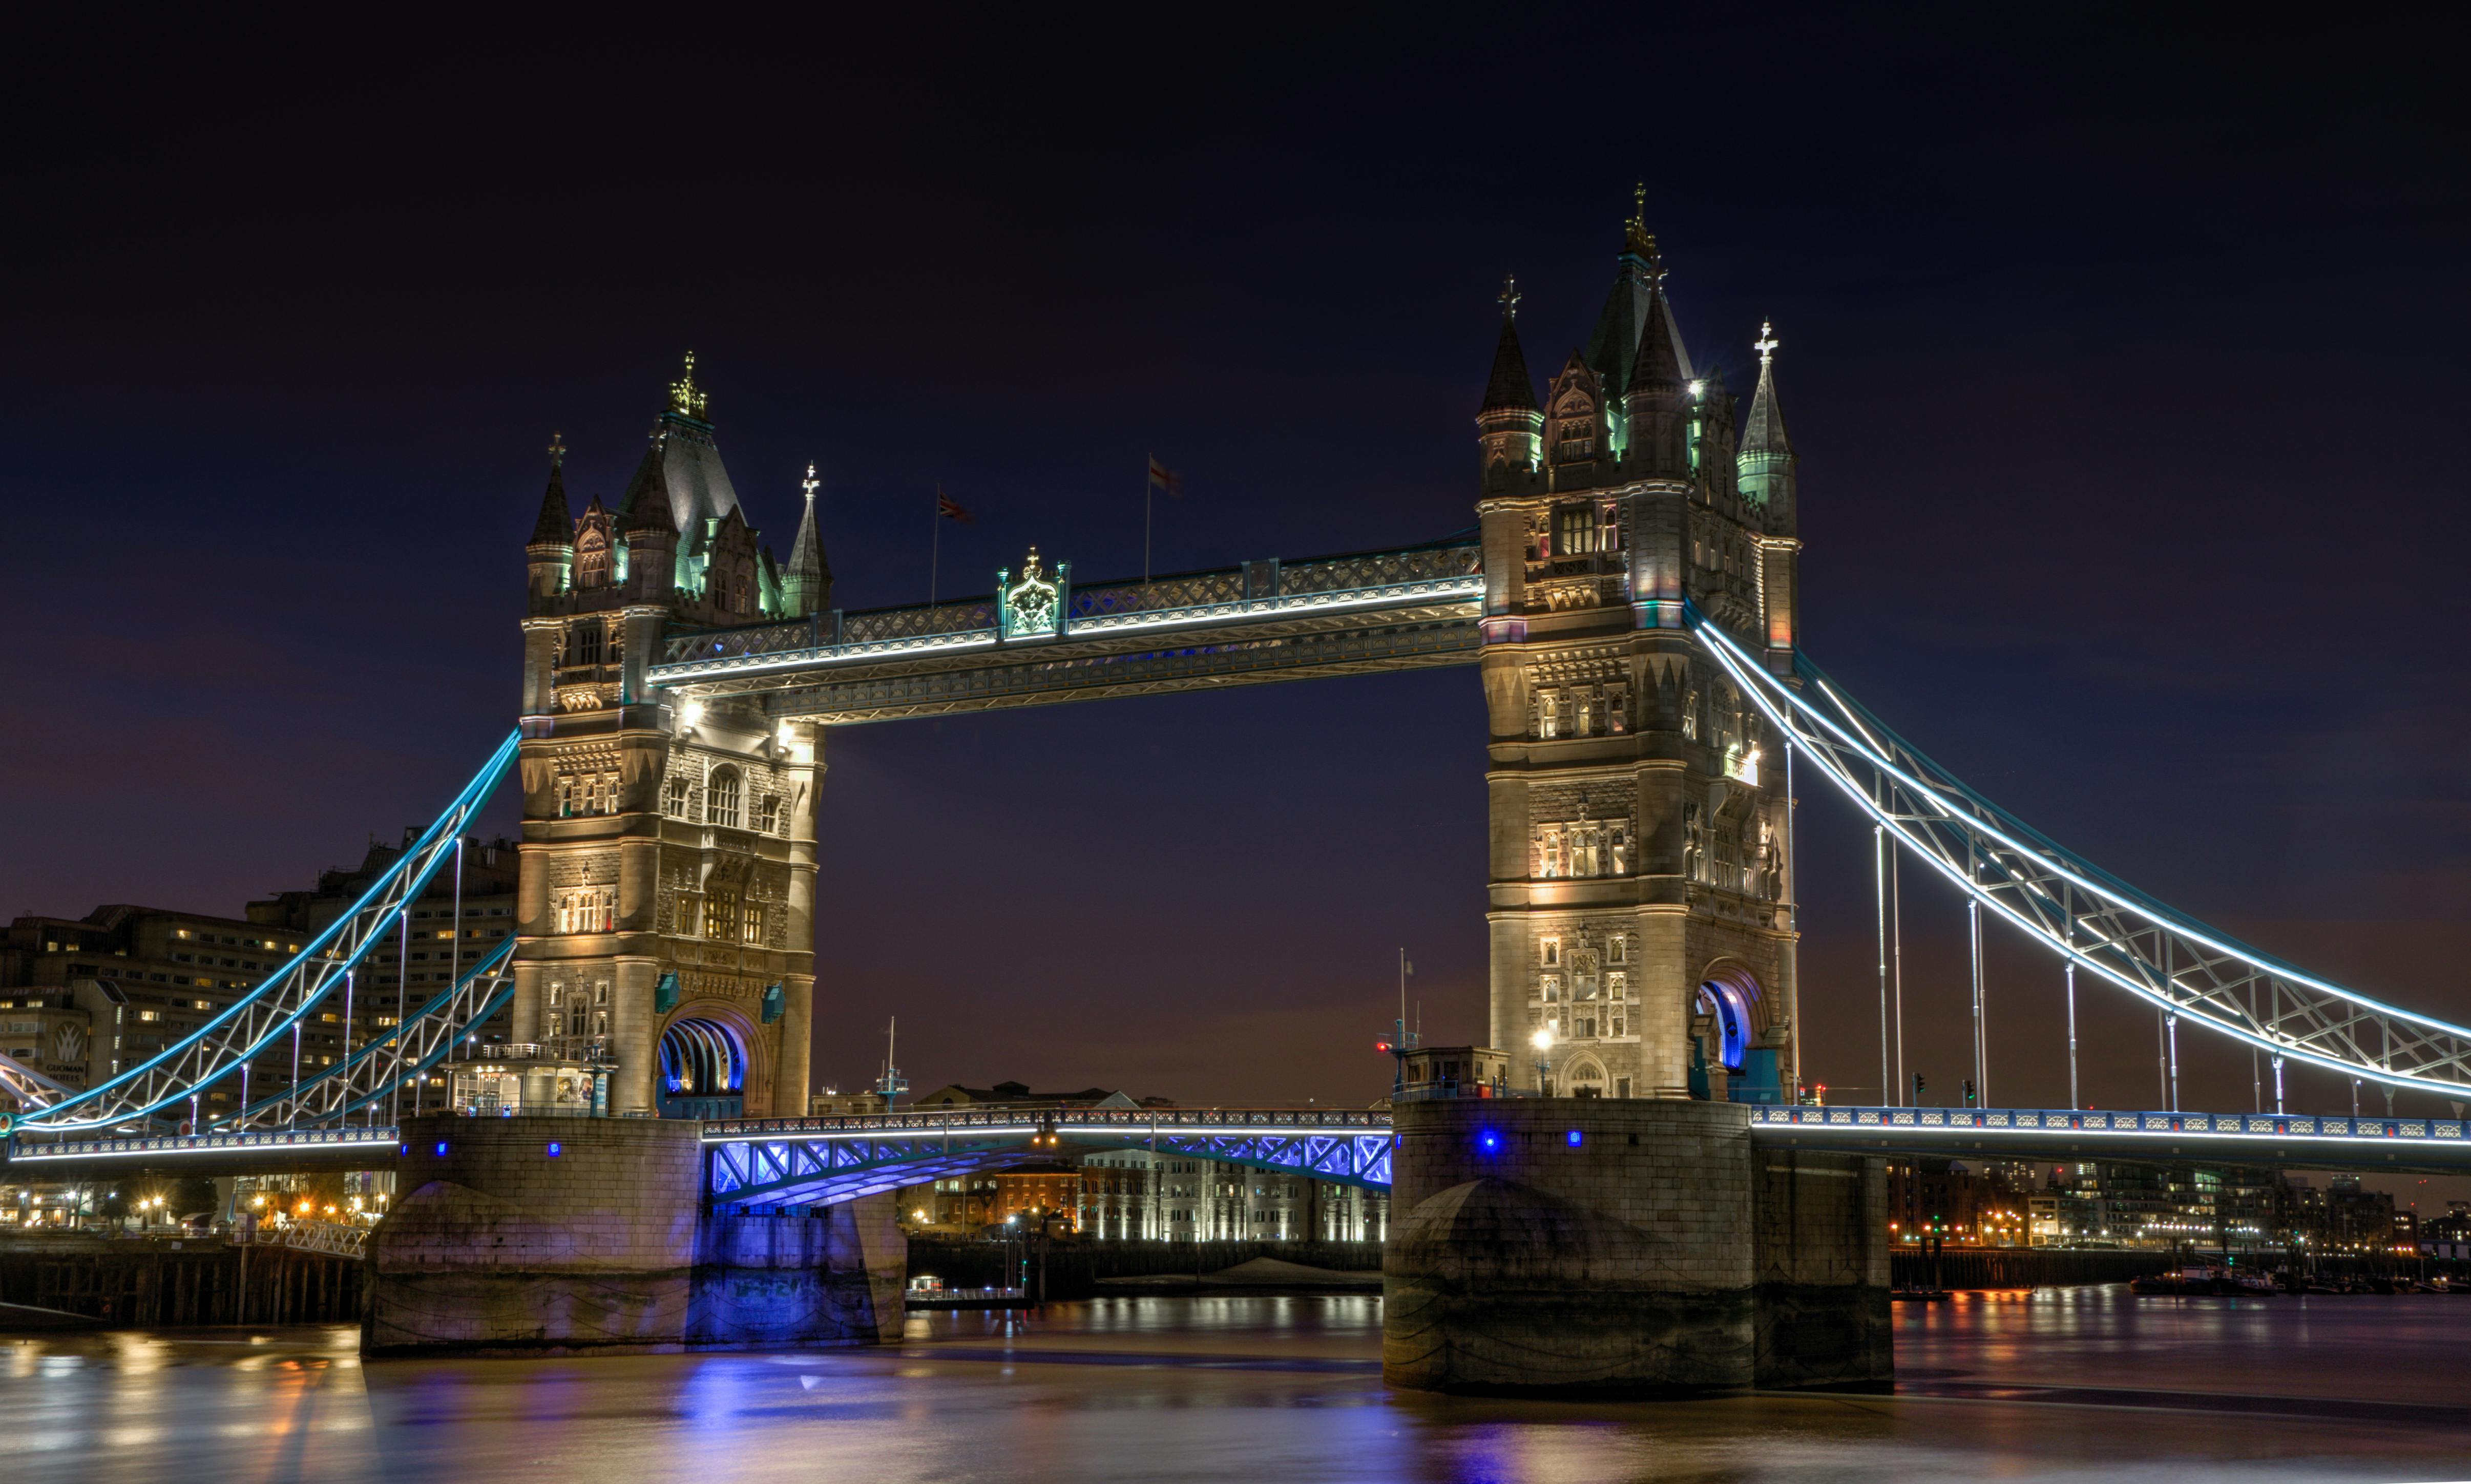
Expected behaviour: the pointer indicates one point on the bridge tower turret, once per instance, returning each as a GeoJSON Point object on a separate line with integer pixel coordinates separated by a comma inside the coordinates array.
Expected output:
{"type": "Point", "coordinates": [668, 853]}
{"type": "Point", "coordinates": [1508, 425]}
{"type": "Point", "coordinates": [1638, 873]}
{"type": "Point", "coordinates": [1767, 499]}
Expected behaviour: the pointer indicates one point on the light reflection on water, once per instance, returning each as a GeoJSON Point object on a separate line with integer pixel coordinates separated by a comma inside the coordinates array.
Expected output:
{"type": "Point", "coordinates": [1263, 1388]}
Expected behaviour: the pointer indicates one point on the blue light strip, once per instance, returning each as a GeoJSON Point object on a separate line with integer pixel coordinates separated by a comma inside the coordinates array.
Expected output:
{"type": "Point", "coordinates": [1761, 686]}
{"type": "Point", "coordinates": [466, 803]}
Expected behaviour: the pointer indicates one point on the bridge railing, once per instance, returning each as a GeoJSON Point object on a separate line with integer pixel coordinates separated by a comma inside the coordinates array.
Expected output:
{"type": "Point", "coordinates": [1106, 1119]}
{"type": "Point", "coordinates": [2083, 914]}
{"type": "Point", "coordinates": [2281, 1127]}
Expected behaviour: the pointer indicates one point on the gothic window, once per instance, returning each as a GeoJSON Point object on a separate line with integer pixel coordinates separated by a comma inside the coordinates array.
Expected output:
{"type": "Point", "coordinates": [1582, 986]}
{"type": "Point", "coordinates": [566, 795]}
{"type": "Point", "coordinates": [721, 803]}
{"type": "Point", "coordinates": [600, 1022]}
{"type": "Point", "coordinates": [674, 797]}
{"type": "Point", "coordinates": [1552, 988]}
{"type": "Point", "coordinates": [600, 993]}
{"type": "Point", "coordinates": [1617, 950]}
{"type": "Point", "coordinates": [591, 560]}
{"type": "Point", "coordinates": [1583, 718]}
{"type": "Point", "coordinates": [554, 991]}
{"type": "Point", "coordinates": [1616, 711]}
{"type": "Point", "coordinates": [608, 794]}
{"type": "Point", "coordinates": [1616, 985]}
{"type": "Point", "coordinates": [751, 923]}
{"type": "Point", "coordinates": [1617, 849]}
{"type": "Point", "coordinates": [1550, 715]}
{"type": "Point", "coordinates": [576, 1018]}
{"type": "Point", "coordinates": [583, 643]}
{"type": "Point", "coordinates": [1576, 534]}
{"type": "Point", "coordinates": [1586, 852]}
{"type": "Point", "coordinates": [1549, 860]}
{"type": "Point", "coordinates": [1552, 951]}
{"type": "Point", "coordinates": [720, 914]}
{"type": "Point", "coordinates": [768, 814]}
{"type": "Point", "coordinates": [587, 910]}
{"type": "Point", "coordinates": [738, 592]}
{"type": "Point", "coordinates": [1690, 717]}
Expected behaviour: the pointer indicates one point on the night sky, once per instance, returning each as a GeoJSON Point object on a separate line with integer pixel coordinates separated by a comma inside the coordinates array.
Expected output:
{"type": "Point", "coordinates": [2124, 366]}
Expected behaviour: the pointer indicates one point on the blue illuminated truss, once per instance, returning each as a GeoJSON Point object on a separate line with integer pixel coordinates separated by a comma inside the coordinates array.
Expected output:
{"type": "Point", "coordinates": [764, 1163]}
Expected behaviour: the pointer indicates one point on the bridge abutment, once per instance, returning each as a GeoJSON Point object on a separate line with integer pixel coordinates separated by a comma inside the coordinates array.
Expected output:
{"type": "Point", "coordinates": [1596, 1246]}
{"type": "Point", "coordinates": [553, 1235]}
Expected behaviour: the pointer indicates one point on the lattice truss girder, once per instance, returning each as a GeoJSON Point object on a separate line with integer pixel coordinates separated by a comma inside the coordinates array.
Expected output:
{"type": "Point", "coordinates": [256, 1023]}
{"type": "Point", "coordinates": [2083, 913]}
{"type": "Point", "coordinates": [795, 1171]}
{"type": "Point", "coordinates": [1436, 635]}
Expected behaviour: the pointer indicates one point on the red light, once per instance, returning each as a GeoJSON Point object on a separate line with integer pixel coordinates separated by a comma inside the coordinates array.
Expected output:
{"type": "Point", "coordinates": [1380, 1046]}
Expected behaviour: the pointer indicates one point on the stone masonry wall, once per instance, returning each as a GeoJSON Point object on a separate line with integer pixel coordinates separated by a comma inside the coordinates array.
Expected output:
{"type": "Point", "coordinates": [1657, 1253]}
{"type": "Point", "coordinates": [498, 1245]}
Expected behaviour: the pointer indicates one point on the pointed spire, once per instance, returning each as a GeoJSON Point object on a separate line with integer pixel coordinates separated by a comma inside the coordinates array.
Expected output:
{"type": "Point", "coordinates": [1662, 362]}
{"type": "Point", "coordinates": [1763, 430]}
{"type": "Point", "coordinates": [1637, 271]}
{"type": "Point", "coordinates": [808, 581]}
{"type": "Point", "coordinates": [555, 527]}
{"type": "Point", "coordinates": [1509, 389]}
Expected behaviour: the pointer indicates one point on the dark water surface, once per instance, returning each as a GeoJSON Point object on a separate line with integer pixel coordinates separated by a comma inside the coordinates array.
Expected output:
{"type": "Point", "coordinates": [2065, 1384]}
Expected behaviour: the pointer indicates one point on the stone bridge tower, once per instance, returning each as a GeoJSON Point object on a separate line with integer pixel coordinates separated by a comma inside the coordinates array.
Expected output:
{"type": "Point", "coordinates": [1640, 876]}
{"type": "Point", "coordinates": [666, 906]}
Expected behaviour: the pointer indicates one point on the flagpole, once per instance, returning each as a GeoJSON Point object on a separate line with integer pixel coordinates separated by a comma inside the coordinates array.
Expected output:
{"type": "Point", "coordinates": [935, 544]}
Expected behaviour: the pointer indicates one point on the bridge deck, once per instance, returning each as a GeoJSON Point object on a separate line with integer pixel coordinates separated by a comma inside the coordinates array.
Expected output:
{"type": "Point", "coordinates": [1350, 1146]}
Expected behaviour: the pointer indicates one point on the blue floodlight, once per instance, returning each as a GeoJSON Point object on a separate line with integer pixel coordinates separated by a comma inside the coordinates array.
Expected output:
{"type": "Point", "coordinates": [1574, 1138]}
{"type": "Point", "coordinates": [1489, 1141]}
{"type": "Point", "coordinates": [441, 1148]}
{"type": "Point", "coordinates": [553, 1148]}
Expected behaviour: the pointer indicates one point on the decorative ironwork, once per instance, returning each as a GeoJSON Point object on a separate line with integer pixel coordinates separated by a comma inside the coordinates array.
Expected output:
{"type": "Point", "coordinates": [1448, 640]}
{"type": "Point", "coordinates": [1241, 598]}
{"type": "Point", "coordinates": [1033, 607]}
{"type": "Point", "coordinates": [2083, 913]}
{"type": "Point", "coordinates": [2392, 1143]}
{"type": "Point", "coordinates": [806, 1161]}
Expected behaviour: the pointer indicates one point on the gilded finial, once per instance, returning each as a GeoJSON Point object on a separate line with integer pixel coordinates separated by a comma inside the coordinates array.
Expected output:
{"type": "Point", "coordinates": [556, 450]}
{"type": "Point", "coordinates": [809, 482]}
{"type": "Point", "coordinates": [684, 397]}
{"type": "Point", "coordinates": [1636, 236]}
{"type": "Point", "coordinates": [1510, 295]}
{"type": "Point", "coordinates": [1767, 342]}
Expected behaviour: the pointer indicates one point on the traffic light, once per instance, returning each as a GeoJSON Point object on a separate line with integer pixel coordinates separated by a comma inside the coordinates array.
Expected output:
{"type": "Point", "coordinates": [1968, 1091]}
{"type": "Point", "coordinates": [1918, 1088]}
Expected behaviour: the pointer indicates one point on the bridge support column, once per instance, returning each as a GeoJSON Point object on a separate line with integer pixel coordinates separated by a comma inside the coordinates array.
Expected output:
{"type": "Point", "coordinates": [554, 1236]}
{"type": "Point", "coordinates": [1597, 1247]}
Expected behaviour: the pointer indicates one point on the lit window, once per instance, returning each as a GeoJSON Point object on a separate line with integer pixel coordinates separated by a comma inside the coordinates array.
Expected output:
{"type": "Point", "coordinates": [721, 804]}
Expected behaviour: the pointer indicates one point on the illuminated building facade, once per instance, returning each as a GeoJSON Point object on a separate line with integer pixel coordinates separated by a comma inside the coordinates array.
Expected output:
{"type": "Point", "coordinates": [1641, 932]}
{"type": "Point", "coordinates": [666, 912]}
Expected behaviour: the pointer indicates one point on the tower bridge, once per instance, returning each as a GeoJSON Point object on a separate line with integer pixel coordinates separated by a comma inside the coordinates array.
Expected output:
{"type": "Point", "coordinates": [1629, 597]}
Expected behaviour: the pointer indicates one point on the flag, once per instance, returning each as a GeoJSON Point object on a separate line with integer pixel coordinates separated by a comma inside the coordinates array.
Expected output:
{"type": "Point", "coordinates": [1165, 479]}
{"type": "Point", "coordinates": [945, 508]}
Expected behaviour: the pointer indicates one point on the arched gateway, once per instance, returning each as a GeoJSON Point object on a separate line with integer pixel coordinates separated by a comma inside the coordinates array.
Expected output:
{"type": "Point", "coordinates": [679, 681]}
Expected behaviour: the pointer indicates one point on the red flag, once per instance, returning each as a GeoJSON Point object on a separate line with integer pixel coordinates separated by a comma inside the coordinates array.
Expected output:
{"type": "Point", "coordinates": [945, 508]}
{"type": "Point", "coordinates": [1166, 480]}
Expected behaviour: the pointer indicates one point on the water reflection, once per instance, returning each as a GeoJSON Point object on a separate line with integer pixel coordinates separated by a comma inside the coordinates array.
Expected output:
{"type": "Point", "coordinates": [1258, 1388]}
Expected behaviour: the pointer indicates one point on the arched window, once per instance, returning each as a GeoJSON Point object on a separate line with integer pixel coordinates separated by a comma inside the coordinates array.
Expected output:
{"type": "Point", "coordinates": [592, 561]}
{"type": "Point", "coordinates": [721, 800]}
{"type": "Point", "coordinates": [674, 797]}
{"type": "Point", "coordinates": [584, 644]}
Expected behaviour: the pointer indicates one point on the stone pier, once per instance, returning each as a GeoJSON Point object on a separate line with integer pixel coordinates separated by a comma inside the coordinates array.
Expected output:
{"type": "Point", "coordinates": [555, 1235]}
{"type": "Point", "coordinates": [1627, 1247]}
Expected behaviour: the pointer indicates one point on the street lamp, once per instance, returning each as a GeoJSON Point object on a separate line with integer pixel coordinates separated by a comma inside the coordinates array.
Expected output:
{"type": "Point", "coordinates": [1543, 1041]}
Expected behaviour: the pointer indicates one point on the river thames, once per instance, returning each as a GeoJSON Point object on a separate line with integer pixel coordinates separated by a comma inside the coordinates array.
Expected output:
{"type": "Point", "coordinates": [2061, 1384]}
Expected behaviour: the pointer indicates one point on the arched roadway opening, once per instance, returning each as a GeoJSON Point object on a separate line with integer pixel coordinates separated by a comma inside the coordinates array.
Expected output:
{"type": "Point", "coordinates": [704, 1071]}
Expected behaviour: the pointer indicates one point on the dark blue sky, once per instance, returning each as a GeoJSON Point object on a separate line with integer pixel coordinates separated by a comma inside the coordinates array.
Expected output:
{"type": "Point", "coordinates": [2123, 362]}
